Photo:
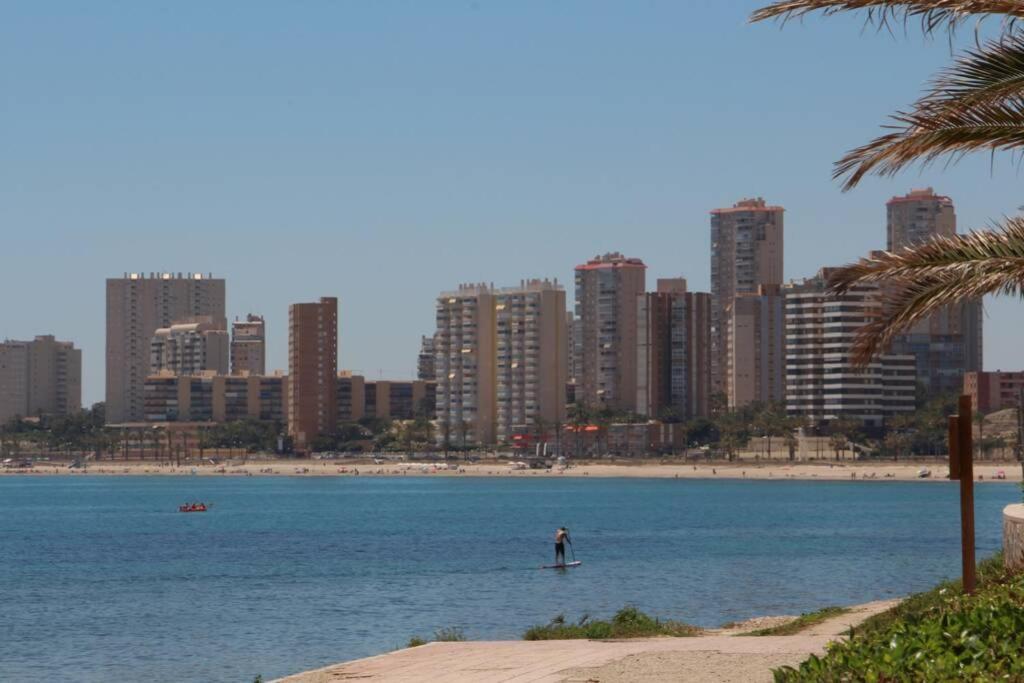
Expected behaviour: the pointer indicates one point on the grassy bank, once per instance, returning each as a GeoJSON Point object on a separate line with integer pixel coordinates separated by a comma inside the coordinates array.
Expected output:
{"type": "Point", "coordinates": [628, 622]}
{"type": "Point", "coordinates": [939, 635]}
{"type": "Point", "coordinates": [804, 621]}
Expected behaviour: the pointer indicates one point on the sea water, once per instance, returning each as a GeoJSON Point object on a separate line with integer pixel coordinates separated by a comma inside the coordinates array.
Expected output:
{"type": "Point", "coordinates": [101, 579]}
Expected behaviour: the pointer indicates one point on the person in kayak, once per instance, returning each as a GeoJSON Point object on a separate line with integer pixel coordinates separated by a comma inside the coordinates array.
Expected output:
{"type": "Point", "coordinates": [561, 536]}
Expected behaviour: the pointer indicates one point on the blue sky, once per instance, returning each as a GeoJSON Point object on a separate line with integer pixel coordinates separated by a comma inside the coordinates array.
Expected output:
{"type": "Point", "coordinates": [381, 151]}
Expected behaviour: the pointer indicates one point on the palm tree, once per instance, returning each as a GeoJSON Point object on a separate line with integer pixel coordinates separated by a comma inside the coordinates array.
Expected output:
{"type": "Point", "coordinates": [976, 104]}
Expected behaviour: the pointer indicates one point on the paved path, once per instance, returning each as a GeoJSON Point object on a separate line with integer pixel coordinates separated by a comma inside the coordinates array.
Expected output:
{"type": "Point", "coordinates": [705, 658]}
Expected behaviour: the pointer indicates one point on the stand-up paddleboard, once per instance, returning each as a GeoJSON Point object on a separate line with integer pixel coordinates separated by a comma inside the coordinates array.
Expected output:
{"type": "Point", "coordinates": [567, 565]}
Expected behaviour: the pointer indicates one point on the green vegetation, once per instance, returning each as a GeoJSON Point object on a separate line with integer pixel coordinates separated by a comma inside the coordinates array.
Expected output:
{"type": "Point", "coordinates": [940, 635]}
{"type": "Point", "coordinates": [804, 621]}
{"type": "Point", "coordinates": [628, 622]}
{"type": "Point", "coordinates": [450, 634]}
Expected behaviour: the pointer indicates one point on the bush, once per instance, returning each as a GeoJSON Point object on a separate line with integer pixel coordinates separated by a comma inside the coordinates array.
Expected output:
{"type": "Point", "coordinates": [628, 622]}
{"type": "Point", "coordinates": [941, 635]}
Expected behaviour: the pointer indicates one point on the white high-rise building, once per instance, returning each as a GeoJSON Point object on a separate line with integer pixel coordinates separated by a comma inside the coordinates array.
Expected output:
{"type": "Point", "coordinates": [822, 384]}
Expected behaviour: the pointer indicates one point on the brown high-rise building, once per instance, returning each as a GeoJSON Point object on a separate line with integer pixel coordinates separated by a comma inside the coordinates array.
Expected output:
{"type": "Point", "coordinates": [249, 346]}
{"type": "Point", "coordinates": [755, 359]}
{"type": "Point", "coordinates": [673, 348]}
{"type": "Point", "coordinates": [137, 306]}
{"type": "Point", "coordinates": [607, 291]}
{"type": "Point", "coordinates": [42, 376]}
{"type": "Point", "coordinates": [746, 252]}
{"type": "Point", "coordinates": [949, 343]}
{"type": "Point", "coordinates": [312, 370]}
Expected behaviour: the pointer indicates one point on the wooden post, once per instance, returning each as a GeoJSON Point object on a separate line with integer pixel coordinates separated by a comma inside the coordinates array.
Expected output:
{"type": "Point", "coordinates": [954, 450]}
{"type": "Point", "coordinates": [966, 452]}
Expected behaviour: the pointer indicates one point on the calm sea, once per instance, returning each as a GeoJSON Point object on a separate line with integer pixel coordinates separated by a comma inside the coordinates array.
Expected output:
{"type": "Point", "coordinates": [102, 580]}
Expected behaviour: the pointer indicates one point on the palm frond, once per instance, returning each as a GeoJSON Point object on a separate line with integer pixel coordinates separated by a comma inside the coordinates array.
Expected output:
{"type": "Point", "coordinates": [940, 257]}
{"type": "Point", "coordinates": [989, 74]}
{"type": "Point", "coordinates": [933, 14]}
{"type": "Point", "coordinates": [918, 281]}
{"type": "Point", "coordinates": [977, 104]}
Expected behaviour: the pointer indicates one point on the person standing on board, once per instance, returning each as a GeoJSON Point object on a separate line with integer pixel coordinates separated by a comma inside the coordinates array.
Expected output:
{"type": "Point", "coordinates": [561, 536]}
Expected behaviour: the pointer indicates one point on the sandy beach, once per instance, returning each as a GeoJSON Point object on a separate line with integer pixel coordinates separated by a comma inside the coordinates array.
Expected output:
{"type": "Point", "coordinates": [816, 470]}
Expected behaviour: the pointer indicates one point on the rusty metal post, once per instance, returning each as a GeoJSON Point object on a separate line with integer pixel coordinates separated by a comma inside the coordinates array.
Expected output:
{"type": "Point", "coordinates": [966, 453]}
{"type": "Point", "coordinates": [954, 450]}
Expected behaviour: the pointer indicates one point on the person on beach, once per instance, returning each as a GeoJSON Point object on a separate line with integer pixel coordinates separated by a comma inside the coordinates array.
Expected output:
{"type": "Point", "coordinates": [561, 536]}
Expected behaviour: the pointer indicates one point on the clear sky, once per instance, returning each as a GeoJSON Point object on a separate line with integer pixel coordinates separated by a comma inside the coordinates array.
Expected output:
{"type": "Point", "coordinates": [381, 151]}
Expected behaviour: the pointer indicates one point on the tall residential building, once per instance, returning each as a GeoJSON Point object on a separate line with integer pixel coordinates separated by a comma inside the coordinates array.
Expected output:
{"type": "Point", "coordinates": [607, 288]}
{"type": "Point", "coordinates": [465, 366]}
{"type": "Point", "coordinates": [532, 364]}
{"type": "Point", "coordinates": [755, 358]}
{"type": "Point", "coordinates": [673, 351]}
{"type": "Point", "coordinates": [42, 376]}
{"type": "Point", "coordinates": [571, 336]}
{"type": "Point", "coordinates": [190, 347]}
{"type": "Point", "coordinates": [822, 383]}
{"type": "Point", "coordinates": [137, 306]}
{"type": "Point", "coordinates": [312, 370]}
{"type": "Point", "coordinates": [746, 252]}
{"type": "Point", "coordinates": [501, 361]}
{"type": "Point", "coordinates": [249, 346]}
{"type": "Point", "coordinates": [949, 343]}
{"type": "Point", "coordinates": [425, 362]}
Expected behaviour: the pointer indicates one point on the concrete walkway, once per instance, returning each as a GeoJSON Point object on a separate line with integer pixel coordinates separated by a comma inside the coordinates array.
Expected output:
{"type": "Point", "coordinates": [718, 657]}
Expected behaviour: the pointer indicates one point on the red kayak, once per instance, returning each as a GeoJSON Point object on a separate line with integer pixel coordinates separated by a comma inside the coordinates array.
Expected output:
{"type": "Point", "coordinates": [194, 507]}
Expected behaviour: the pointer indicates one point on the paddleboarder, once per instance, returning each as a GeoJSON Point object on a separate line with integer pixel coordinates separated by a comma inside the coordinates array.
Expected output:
{"type": "Point", "coordinates": [561, 536]}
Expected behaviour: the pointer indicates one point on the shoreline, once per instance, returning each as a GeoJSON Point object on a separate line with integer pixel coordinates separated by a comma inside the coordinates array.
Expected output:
{"type": "Point", "coordinates": [725, 653]}
{"type": "Point", "coordinates": [759, 471]}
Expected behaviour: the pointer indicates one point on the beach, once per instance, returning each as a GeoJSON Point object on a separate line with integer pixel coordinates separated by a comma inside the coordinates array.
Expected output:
{"type": "Point", "coordinates": [822, 470]}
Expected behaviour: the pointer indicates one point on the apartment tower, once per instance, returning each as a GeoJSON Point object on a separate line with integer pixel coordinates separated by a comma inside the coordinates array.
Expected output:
{"type": "Point", "coordinates": [673, 349]}
{"type": "Point", "coordinates": [755, 355]}
{"type": "Point", "coordinates": [312, 370]}
{"type": "Point", "coordinates": [249, 346]}
{"type": "Point", "coordinates": [190, 347]}
{"type": "Point", "coordinates": [746, 253]}
{"type": "Point", "coordinates": [42, 376]}
{"type": "Point", "coordinates": [137, 306]}
{"type": "Point", "coordinates": [532, 365]}
{"type": "Point", "coordinates": [465, 366]}
{"type": "Point", "coordinates": [949, 343]}
{"type": "Point", "coordinates": [607, 291]}
{"type": "Point", "coordinates": [822, 384]}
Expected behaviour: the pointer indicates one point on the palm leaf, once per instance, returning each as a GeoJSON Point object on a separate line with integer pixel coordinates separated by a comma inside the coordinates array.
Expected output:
{"type": "Point", "coordinates": [920, 280]}
{"type": "Point", "coordinates": [933, 14]}
{"type": "Point", "coordinates": [981, 76]}
{"type": "Point", "coordinates": [977, 104]}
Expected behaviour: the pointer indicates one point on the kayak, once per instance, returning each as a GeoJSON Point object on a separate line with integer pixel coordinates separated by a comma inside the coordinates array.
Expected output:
{"type": "Point", "coordinates": [192, 508]}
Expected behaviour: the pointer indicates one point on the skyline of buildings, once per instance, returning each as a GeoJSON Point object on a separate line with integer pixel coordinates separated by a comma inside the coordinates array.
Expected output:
{"type": "Point", "coordinates": [508, 359]}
